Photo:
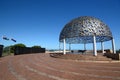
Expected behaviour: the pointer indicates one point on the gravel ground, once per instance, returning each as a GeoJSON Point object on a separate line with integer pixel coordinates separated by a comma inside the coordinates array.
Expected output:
{"type": "Point", "coordinates": [43, 67]}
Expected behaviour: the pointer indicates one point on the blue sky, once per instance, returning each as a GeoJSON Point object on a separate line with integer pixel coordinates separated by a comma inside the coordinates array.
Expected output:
{"type": "Point", "coordinates": [39, 22]}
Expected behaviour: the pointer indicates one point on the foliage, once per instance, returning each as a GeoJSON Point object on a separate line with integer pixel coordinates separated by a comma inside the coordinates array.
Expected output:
{"type": "Point", "coordinates": [16, 45]}
{"type": "Point", "coordinates": [118, 51]}
{"type": "Point", "coordinates": [20, 45]}
{"type": "Point", "coordinates": [36, 46]}
{"type": "Point", "coordinates": [7, 51]}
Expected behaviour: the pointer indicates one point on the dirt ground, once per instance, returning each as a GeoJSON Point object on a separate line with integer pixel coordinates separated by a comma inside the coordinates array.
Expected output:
{"type": "Point", "coordinates": [43, 67]}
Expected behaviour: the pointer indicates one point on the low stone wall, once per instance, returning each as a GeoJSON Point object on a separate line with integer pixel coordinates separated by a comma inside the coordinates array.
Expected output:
{"type": "Point", "coordinates": [113, 56]}
{"type": "Point", "coordinates": [56, 55]}
{"type": "Point", "coordinates": [28, 50]}
{"type": "Point", "coordinates": [108, 51]}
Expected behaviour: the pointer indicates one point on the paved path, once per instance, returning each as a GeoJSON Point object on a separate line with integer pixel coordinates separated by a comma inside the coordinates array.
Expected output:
{"type": "Point", "coordinates": [43, 67]}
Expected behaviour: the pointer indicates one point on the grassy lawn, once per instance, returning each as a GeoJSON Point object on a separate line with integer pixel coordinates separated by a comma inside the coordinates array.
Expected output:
{"type": "Point", "coordinates": [7, 54]}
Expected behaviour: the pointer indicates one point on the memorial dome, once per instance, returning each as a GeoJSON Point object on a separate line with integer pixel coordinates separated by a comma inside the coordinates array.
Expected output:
{"type": "Point", "coordinates": [82, 30]}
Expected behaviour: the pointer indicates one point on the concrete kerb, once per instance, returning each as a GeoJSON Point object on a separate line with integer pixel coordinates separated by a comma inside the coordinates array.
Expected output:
{"type": "Point", "coordinates": [95, 61]}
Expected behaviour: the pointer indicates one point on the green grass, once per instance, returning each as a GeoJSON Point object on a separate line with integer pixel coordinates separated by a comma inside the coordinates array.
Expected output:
{"type": "Point", "coordinates": [7, 54]}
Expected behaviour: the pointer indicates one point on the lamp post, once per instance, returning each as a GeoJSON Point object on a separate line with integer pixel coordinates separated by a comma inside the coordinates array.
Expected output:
{"type": "Point", "coordinates": [6, 38]}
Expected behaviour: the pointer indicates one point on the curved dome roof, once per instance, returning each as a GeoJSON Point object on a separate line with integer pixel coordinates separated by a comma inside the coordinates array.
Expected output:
{"type": "Point", "coordinates": [82, 29]}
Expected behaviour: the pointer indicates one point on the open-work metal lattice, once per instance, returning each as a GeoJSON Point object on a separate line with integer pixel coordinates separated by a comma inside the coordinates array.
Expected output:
{"type": "Point", "coordinates": [82, 29]}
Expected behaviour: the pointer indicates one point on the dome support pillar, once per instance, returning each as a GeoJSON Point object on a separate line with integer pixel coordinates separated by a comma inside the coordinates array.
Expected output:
{"type": "Point", "coordinates": [94, 46]}
{"type": "Point", "coordinates": [70, 48]}
{"type": "Point", "coordinates": [102, 47]}
{"type": "Point", "coordinates": [113, 46]}
{"type": "Point", "coordinates": [85, 47]}
{"type": "Point", "coordinates": [59, 46]}
{"type": "Point", "coordinates": [64, 46]}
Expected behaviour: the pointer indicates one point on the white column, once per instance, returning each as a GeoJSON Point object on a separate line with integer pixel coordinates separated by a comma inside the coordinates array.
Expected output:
{"type": "Point", "coordinates": [94, 46]}
{"type": "Point", "coordinates": [70, 47]}
{"type": "Point", "coordinates": [113, 46]}
{"type": "Point", "coordinates": [102, 47]}
{"type": "Point", "coordinates": [84, 46]}
{"type": "Point", "coordinates": [64, 46]}
{"type": "Point", "coordinates": [59, 46]}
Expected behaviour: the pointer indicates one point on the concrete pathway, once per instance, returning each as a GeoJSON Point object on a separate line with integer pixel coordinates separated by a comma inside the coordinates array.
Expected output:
{"type": "Point", "coordinates": [44, 67]}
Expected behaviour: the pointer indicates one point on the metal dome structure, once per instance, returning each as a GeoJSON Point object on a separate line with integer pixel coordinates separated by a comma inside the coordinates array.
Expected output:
{"type": "Point", "coordinates": [84, 30]}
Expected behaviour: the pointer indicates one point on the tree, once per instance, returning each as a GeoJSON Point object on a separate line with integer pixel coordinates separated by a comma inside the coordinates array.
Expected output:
{"type": "Point", "coordinates": [36, 46]}
{"type": "Point", "coordinates": [118, 51]}
{"type": "Point", "coordinates": [12, 49]}
{"type": "Point", "coordinates": [20, 45]}
{"type": "Point", "coordinates": [6, 49]}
